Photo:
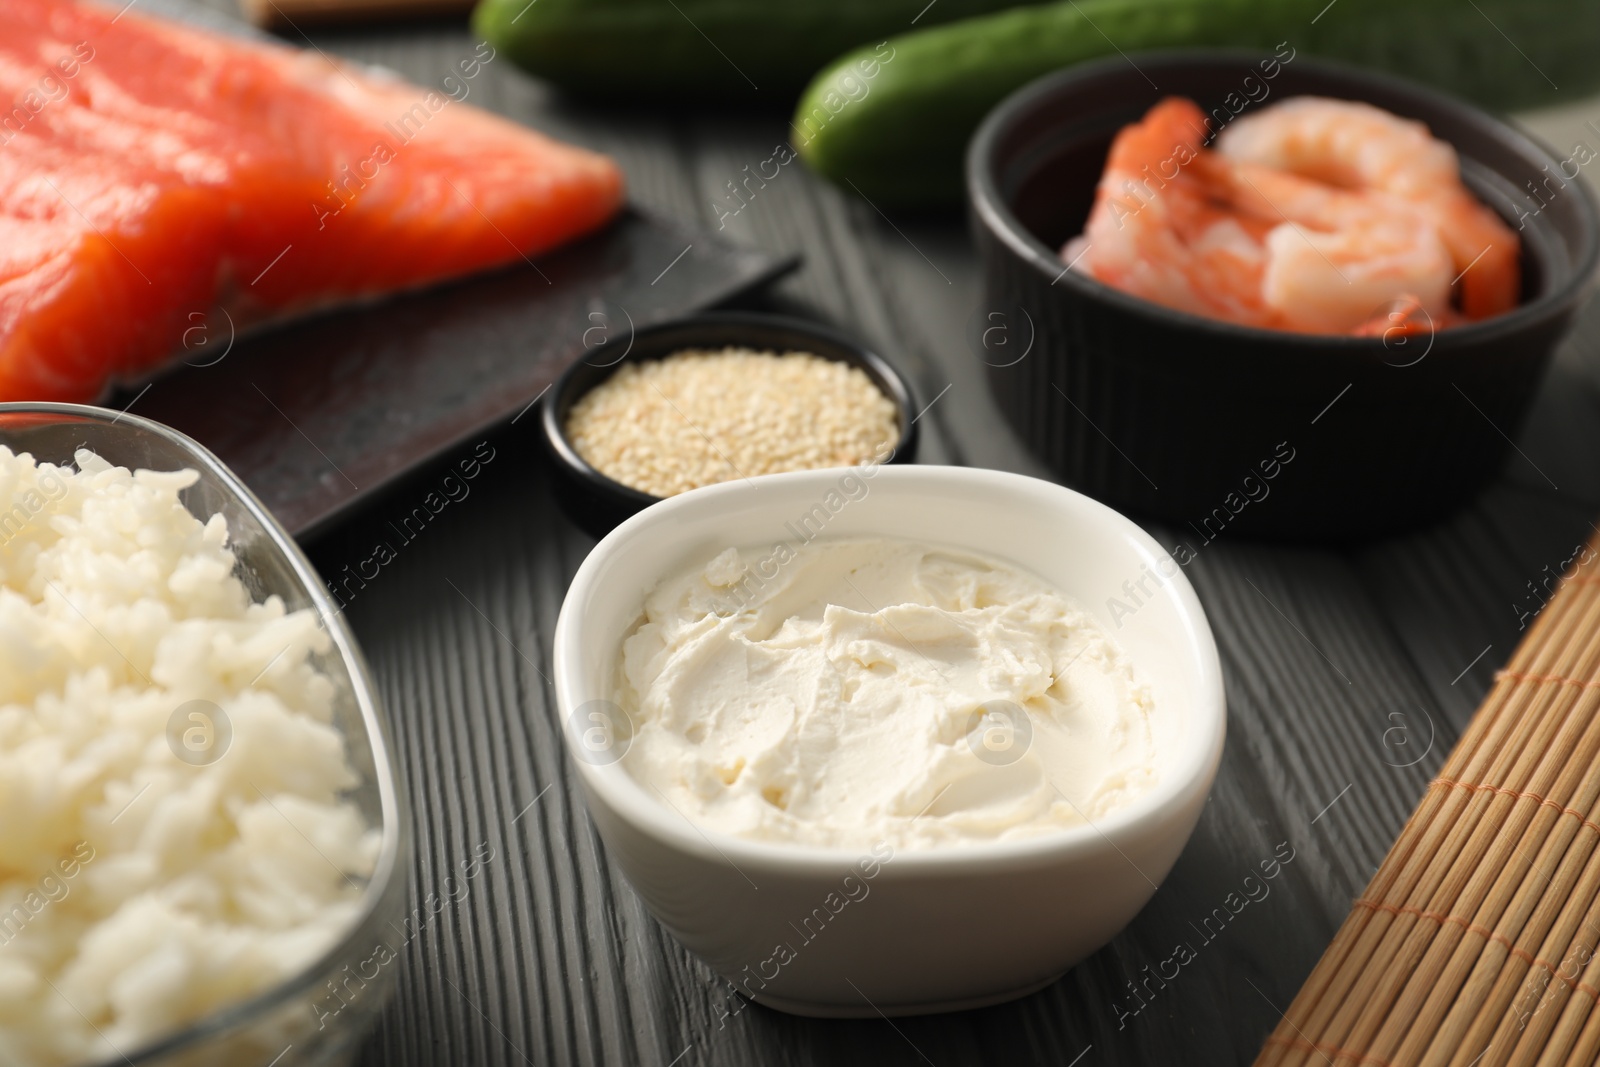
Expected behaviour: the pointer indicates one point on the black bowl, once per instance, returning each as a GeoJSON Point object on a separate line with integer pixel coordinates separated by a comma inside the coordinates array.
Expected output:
{"type": "Point", "coordinates": [1181, 417]}
{"type": "Point", "coordinates": [598, 503]}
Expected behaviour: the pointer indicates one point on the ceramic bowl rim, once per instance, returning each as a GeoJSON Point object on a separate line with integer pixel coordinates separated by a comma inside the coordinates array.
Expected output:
{"type": "Point", "coordinates": [614, 786]}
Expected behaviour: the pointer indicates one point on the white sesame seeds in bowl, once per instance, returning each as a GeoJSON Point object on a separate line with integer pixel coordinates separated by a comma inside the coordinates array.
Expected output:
{"type": "Point", "coordinates": [713, 398]}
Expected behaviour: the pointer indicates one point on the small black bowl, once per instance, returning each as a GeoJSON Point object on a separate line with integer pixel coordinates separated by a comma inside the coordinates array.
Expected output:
{"type": "Point", "coordinates": [598, 503]}
{"type": "Point", "coordinates": [1218, 426]}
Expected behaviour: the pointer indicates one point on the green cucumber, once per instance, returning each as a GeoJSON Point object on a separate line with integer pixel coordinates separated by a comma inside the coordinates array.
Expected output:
{"type": "Point", "coordinates": [726, 51]}
{"type": "Point", "coordinates": [899, 139]}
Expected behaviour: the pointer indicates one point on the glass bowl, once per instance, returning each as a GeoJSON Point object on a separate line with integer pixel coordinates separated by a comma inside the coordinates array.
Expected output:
{"type": "Point", "coordinates": [318, 1017]}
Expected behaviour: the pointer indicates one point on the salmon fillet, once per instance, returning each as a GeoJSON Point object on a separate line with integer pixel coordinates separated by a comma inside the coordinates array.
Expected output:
{"type": "Point", "coordinates": [154, 175]}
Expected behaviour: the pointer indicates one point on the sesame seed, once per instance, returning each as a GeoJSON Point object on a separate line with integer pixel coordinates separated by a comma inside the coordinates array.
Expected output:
{"type": "Point", "coordinates": [702, 416]}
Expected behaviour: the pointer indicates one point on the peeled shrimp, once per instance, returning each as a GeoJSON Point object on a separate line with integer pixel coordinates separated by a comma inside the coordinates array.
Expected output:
{"type": "Point", "coordinates": [1337, 260]}
{"type": "Point", "coordinates": [1361, 148]}
{"type": "Point", "coordinates": [1310, 221]}
{"type": "Point", "coordinates": [1161, 227]}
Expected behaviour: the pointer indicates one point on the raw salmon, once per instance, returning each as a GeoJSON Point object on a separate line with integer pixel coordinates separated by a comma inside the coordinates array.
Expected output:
{"type": "Point", "coordinates": [154, 176]}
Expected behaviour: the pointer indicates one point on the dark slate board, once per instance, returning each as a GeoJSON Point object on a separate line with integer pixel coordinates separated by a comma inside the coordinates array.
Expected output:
{"type": "Point", "coordinates": [321, 413]}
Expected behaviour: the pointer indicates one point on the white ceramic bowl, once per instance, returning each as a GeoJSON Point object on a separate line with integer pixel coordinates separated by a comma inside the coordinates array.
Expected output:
{"type": "Point", "coordinates": [931, 930]}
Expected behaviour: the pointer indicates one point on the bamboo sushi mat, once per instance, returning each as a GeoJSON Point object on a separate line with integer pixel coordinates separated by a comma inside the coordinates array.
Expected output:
{"type": "Point", "coordinates": [1474, 945]}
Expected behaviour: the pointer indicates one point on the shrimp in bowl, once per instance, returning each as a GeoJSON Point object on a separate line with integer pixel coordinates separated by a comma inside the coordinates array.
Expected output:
{"type": "Point", "coordinates": [1314, 216]}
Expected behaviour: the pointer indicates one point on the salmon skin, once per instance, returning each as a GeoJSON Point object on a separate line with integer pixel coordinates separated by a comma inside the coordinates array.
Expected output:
{"type": "Point", "coordinates": [155, 176]}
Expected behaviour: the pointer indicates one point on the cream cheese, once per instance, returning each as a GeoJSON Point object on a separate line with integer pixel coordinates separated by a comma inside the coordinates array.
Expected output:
{"type": "Point", "coordinates": [850, 692]}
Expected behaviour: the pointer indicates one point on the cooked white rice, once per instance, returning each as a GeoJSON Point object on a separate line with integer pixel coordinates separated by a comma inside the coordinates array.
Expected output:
{"type": "Point", "coordinates": [139, 893]}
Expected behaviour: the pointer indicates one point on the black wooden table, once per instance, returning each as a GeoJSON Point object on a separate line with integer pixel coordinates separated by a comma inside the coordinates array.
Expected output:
{"type": "Point", "coordinates": [1350, 673]}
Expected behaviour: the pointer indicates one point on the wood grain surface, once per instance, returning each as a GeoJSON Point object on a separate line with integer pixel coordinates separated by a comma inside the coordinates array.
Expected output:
{"type": "Point", "coordinates": [1350, 672]}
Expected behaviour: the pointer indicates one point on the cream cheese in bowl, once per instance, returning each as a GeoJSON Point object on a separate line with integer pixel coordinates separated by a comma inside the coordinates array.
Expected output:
{"type": "Point", "coordinates": [860, 691]}
{"type": "Point", "coordinates": [910, 661]}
